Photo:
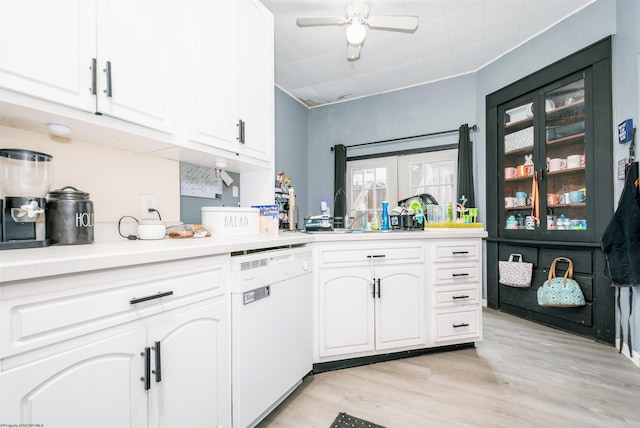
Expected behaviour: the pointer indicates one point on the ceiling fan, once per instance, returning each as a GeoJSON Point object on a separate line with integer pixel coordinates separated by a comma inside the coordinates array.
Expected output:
{"type": "Point", "coordinates": [357, 16]}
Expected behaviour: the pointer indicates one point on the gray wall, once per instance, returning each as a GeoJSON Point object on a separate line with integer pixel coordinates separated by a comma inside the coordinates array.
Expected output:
{"type": "Point", "coordinates": [291, 147]}
{"type": "Point", "coordinates": [413, 111]}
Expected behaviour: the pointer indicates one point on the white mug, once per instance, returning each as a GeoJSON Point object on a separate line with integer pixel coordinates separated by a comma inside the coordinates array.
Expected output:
{"type": "Point", "coordinates": [556, 164]}
{"type": "Point", "coordinates": [575, 161]}
{"type": "Point", "coordinates": [509, 202]}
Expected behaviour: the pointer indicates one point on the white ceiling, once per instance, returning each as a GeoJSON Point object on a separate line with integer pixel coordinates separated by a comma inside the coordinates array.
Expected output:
{"type": "Point", "coordinates": [454, 37]}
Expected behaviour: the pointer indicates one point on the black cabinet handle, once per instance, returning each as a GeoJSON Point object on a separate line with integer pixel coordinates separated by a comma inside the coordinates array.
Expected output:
{"type": "Point", "coordinates": [455, 253]}
{"type": "Point", "coordinates": [109, 90]}
{"type": "Point", "coordinates": [240, 126]}
{"type": "Point", "coordinates": [94, 76]}
{"type": "Point", "coordinates": [158, 370]}
{"type": "Point", "coordinates": [459, 274]}
{"type": "Point", "coordinates": [376, 256]}
{"type": "Point", "coordinates": [460, 325]}
{"type": "Point", "coordinates": [144, 299]}
{"type": "Point", "coordinates": [378, 288]}
{"type": "Point", "coordinates": [147, 369]}
{"type": "Point", "coordinates": [460, 297]}
{"type": "Point", "coordinates": [373, 288]}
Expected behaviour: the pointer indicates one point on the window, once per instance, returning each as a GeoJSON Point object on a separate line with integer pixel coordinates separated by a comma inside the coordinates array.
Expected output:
{"type": "Point", "coordinates": [393, 178]}
{"type": "Point", "coordinates": [434, 173]}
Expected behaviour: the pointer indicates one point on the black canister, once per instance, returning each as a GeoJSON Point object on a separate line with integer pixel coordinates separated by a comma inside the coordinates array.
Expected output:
{"type": "Point", "coordinates": [69, 217]}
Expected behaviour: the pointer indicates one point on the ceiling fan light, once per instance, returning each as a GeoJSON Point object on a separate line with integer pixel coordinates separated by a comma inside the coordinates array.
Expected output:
{"type": "Point", "coordinates": [356, 33]}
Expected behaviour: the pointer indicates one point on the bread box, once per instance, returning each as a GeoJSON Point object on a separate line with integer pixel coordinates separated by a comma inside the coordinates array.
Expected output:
{"type": "Point", "coordinates": [231, 221]}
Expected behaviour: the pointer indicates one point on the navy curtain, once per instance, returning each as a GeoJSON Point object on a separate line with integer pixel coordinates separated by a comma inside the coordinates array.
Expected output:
{"type": "Point", "coordinates": [465, 166]}
{"type": "Point", "coordinates": [340, 181]}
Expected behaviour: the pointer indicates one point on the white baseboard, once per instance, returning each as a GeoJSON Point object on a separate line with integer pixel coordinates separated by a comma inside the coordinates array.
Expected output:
{"type": "Point", "coordinates": [625, 351]}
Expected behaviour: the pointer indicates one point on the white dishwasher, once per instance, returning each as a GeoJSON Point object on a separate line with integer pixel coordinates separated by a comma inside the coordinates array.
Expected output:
{"type": "Point", "coordinates": [271, 329]}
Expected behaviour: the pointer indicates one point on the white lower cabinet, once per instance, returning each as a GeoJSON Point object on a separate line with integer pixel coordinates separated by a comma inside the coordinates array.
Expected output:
{"type": "Point", "coordinates": [370, 299]}
{"type": "Point", "coordinates": [456, 278]}
{"type": "Point", "coordinates": [161, 359]}
{"type": "Point", "coordinates": [95, 385]}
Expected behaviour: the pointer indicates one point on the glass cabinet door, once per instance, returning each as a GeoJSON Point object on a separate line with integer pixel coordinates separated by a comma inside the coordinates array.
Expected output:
{"type": "Point", "coordinates": [566, 159]}
{"type": "Point", "coordinates": [545, 150]}
{"type": "Point", "coordinates": [519, 166]}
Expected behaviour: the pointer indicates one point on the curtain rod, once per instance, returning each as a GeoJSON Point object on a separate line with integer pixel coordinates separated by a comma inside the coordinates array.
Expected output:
{"type": "Point", "coordinates": [471, 128]}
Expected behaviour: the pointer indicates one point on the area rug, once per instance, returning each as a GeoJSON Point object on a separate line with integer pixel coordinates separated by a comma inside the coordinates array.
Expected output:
{"type": "Point", "coordinates": [347, 421]}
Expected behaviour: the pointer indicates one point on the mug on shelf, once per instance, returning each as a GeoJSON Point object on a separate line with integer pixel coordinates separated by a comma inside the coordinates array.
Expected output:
{"type": "Point", "coordinates": [553, 199]}
{"type": "Point", "coordinates": [556, 164]}
{"type": "Point", "coordinates": [510, 172]}
{"type": "Point", "coordinates": [509, 202]}
{"type": "Point", "coordinates": [521, 202]}
{"type": "Point", "coordinates": [575, 161]}
{"type": "Point", "coordinates": [566, 199]}
{"type": "Point", "coordinates": [524, 170]}
{"type": "Point", "coordinates": [521, 195]}
{"type": "Point", "coordinates": [530, 223]}
{"type": "Point", "coordinates": [576, 196]}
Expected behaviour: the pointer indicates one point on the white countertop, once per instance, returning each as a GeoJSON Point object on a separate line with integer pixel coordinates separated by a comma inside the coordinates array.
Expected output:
{"type": "Point", "coordinates": [64, 259]}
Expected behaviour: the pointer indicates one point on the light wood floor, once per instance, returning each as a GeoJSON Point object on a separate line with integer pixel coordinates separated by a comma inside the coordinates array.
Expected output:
{"type": "Point", "coordinates": [521, 375]}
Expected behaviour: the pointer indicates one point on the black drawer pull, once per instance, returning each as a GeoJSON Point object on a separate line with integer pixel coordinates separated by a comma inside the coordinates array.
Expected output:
{"type": "Point", "coordinates": [464, 324]}
{"type": "Point", "coordinates": [460, 297]}
{"type": "Point", "coordinates": [144, 299]}
{"type": "Point", "coordinates": [460, 274]}
{"type": "Point", "coordinates": [376, 256]}
{"type": "Point", "coordinates": [455, 253]}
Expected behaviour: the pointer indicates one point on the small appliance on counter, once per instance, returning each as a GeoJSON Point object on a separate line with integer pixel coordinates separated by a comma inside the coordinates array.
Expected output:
{"type": "Point", "coordinates": [69, 217]}
{"type": "Point", "coordinates": [319, 223]}
{"type": "Point", "coordinates": [403, 216]}
{"type": "Point", "coordinates": [25, 177]}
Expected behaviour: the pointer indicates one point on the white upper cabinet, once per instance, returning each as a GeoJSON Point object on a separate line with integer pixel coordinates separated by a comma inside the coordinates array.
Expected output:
{"type": "Point", "coordinates": [46, 50]}
{"type": "Point", "coordinates": [209, 72]}
{"type": "Point", "coordinates": [108, 57]}
{"type": "Point", "coordinates": [256, 73]}
{"type": "Point", "coordinates": [230, 76]}
{"type": "Point", "coordinates": [135, 59]}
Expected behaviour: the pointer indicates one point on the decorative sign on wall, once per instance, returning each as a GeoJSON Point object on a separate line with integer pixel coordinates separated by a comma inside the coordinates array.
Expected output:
{"type": "Point", "coordinates": [625, 131]}
{"type": "Point", "coordinates": [200, 181]}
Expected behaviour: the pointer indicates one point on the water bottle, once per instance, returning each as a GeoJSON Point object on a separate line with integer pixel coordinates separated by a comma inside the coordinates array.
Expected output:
{"type": "Point", "coordinates": [385, 216]}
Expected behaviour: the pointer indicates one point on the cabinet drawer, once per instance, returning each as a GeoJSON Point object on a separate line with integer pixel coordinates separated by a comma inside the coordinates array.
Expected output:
{"type": "Point", "coordinates": [407, 253]}
{"type": "Point", "coordinates": [457, 297]}
{"type": "Point", "coordinates": [458, 325]}
{"type": "Point", "coordinates": [447, 274]}
{"type": "Point", "coordinates": [35, 313]}
{"type": "Point", "coordinates": [453, 251]}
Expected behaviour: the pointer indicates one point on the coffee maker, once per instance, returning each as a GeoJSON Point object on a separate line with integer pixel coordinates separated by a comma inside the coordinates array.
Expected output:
{"type": "Point", "coordinates": [25, 177]}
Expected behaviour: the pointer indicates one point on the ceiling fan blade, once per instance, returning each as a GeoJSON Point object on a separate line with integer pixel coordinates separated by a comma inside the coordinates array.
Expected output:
{"type": "Point", "coordinates": [320, 20]}
{"type": "Point", "coordinates": [353, 51]}
{"type": "Point", "coordinates": [392, 22]}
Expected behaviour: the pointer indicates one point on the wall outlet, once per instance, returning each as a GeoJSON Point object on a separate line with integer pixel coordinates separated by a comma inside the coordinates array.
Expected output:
{"type": "Point", "coordinates": [148, 202]}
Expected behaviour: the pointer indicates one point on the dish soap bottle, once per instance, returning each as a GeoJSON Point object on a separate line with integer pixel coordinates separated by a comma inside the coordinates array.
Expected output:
{"type": "Point", "coordinates": [375, 221]}
{"type": "Point", "coordinates": [385, 215]}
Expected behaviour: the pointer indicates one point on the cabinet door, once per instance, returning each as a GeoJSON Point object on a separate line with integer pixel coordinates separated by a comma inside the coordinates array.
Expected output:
{"type": "Point", "coordinates": [97, 385]}
{"type": "Point", "coordinates": [136, 61]}
{"type": "Point", "coordinates": [194, 368]}
{"type": "Point", "coordinates": [46, 49]}
{"type": "Point", "coordinates": [346, 311]}
{"type": "Point", "coordinates": [400, 306]}
{"type": "Point", "coordinates": [210, 72]}
{"type": "Point", "coordinates": [255, 74]}
{"type": "Point", "coordinates": [548, 146]}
